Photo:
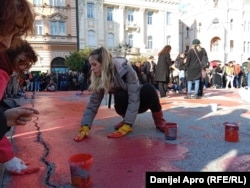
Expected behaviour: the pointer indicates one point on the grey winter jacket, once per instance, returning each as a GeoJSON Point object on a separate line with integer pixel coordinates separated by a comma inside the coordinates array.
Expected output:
{"type": "Point", "coordinates": [125, 78]}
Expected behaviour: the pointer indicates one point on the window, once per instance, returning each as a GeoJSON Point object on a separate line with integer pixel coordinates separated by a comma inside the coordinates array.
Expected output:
{"type": "Point", "coordinates": [248, 27]}
{"type": "Point", "coordinates": [57, 28]}
{"type": "Point", "coordinates": [168, 40]}
{"type": "Point", "coordinates": [91, 39]}
{"type": "Point", "coordinates": [231, 45]}
{"type": "Point", "coordinates": [150, 42]}
{"type": "Point", "coordinates": [37, 2]}
{"type": "Point", "coordinates": [150, 18]}
{"type": "Point", "coordinates": [57, 2]}
{"type": "Point", "coordinates": [110, 12]}
{"type": "Point", "coordinates": [130, 40]}
{"type": "Point", "coordinates": [130, 15]}
{"type": "Point", "coordinates": [90, 10]}
{"type": "Point", "coordinates": [168, 18]}
{"type": "Point", "coordinates": [248, 47]}
{"type": "Point", "coordinates": [110, 41]}
{"type": "Point", "coordinates": [38, 27]}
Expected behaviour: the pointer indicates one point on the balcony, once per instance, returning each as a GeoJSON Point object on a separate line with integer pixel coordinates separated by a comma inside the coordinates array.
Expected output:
{"type": "Point", "coordinates": [131, 26]}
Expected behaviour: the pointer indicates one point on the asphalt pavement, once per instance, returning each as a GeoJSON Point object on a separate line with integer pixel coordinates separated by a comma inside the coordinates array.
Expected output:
{"type": "Point", "coordinates": [200, 145]}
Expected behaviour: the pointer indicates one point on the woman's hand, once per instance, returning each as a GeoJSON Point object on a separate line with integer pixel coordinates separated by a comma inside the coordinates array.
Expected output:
{"type": "Point", "coordinates": [19, 115]}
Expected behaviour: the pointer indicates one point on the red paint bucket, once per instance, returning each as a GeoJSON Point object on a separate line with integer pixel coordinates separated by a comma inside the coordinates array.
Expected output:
{"type": "Point", "coordinates": [79, 170]}
{"type": "Point", "coordinates": [170, 131]}
{"type": "Point", "coordinates": [231, 132]}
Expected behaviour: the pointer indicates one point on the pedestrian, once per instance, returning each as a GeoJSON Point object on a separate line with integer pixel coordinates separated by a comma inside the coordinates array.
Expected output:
{"type": "Point", "coordinates": [117, 76]}
{"type": "Point", "coordinates": [149, 70]}
{"type": "Point", "coordinates": [16, 19]}
{"type": "Point", "coordinates": [162, 72]}
{"type": "Point", "coordinates": [194, 66]}
{"type": "Point", "coordinates": [230, 73]}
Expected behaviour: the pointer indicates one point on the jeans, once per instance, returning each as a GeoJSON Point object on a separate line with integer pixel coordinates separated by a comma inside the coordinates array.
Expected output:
{"type": "Point", "coordinates": [196, 86]}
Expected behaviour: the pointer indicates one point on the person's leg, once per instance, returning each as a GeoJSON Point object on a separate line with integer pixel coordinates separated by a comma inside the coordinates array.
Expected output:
{"type": "Point", "coordinates": [120, 105]}
{"type": "Point", "coordinates": [227, 81]}
{"type": "Point", "coordinates": [196, 87]}
{"type": "Point", "coordinates": [232, 82]}
{"type": "Point", "coordinates": [162, 89]}
{"type": "Point", "coordinates": [201, 86]}
{"type": "Point", "coordinates": [121, 102]}
{"type": "Point", "coordinates": [189, 88]}
{"type": "Point", "coordinates": [150, 100]}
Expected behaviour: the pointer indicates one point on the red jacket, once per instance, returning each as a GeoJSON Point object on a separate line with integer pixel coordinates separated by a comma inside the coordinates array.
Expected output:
{"type": "Point", "coordinates": [6, 150]}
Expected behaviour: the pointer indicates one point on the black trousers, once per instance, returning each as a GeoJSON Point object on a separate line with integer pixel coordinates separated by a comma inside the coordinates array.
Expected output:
{"type": "Point", "coordinates": [163, 88]}
{"type": "Point", "coordinates": [148, 100]}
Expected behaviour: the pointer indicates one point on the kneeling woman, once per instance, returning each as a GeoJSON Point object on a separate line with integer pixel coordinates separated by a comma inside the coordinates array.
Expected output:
{"type": "Point", "coordinates": [116, 76]}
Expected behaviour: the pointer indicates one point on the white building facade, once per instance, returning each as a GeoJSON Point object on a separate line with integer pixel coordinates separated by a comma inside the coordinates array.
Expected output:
{"type": "Point", "coordinates": [139, 28]}
{"type": "Point", "coordinates": [222, 26]}
{"type": "Point", "coordinates": [131, 27]}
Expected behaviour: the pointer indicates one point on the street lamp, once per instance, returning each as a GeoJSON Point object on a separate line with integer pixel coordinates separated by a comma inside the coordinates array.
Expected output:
{"type": "Point", "coordinates": [124, 48]}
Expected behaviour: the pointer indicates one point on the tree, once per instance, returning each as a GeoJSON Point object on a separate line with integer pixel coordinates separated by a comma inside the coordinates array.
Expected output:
{"type": "Point", "coordinates": [76, 59]}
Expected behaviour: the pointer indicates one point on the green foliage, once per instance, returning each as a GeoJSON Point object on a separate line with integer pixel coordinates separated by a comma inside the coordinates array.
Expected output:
{"type": "Point", "coordinates": [76, 59]}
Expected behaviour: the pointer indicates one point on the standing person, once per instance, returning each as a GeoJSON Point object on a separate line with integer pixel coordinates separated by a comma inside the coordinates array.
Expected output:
{"type": "Point", "coordinates": [16, 19]}
{"type": "Point", "coordinates": [117, 76]}
{"type": "Point", "coordinates": [162, 72]}
{"type": "Point", "coordinates": [13, 86]}
{"type": "Point", "coordinates": [238, 74]}
{"type": "Point", "coordinates": [149, 70]}
{"type": "Point", "coordinates": [230, 72]}
{"type": "Point", "coordinates": [194, 68]}
{"type": "Point", "coordinates": [37, 81]}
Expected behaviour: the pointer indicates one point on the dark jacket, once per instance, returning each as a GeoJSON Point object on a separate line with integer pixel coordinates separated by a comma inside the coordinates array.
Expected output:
{"type": "Point", "coordinates": [162, 71]}
{"type": "Point", "coordinates": [193, 65]}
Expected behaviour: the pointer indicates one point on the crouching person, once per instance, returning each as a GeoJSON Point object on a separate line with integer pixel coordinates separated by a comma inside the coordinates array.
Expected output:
{"type": "Point", "coordinates": [51, 86]}
{"type": "Point", "coordinates": [116, 76]}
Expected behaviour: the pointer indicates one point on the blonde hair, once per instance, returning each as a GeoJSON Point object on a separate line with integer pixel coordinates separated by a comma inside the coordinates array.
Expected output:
{"type": "Point", "coordinates": [105, 81]}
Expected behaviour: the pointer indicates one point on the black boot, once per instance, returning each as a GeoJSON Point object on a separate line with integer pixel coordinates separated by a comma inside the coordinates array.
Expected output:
{"type": "Point", "coordinates": [159, 120]}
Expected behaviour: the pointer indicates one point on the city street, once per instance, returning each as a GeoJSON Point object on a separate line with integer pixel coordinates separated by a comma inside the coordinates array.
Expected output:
{"type": "Point", "coordinates": [200, 146]}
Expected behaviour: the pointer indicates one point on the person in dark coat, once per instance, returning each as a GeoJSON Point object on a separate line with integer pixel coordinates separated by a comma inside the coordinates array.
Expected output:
{"type": "Point", "coordinates": [194, 68]}
{"type": "Point", "coordinates": [162, 71]}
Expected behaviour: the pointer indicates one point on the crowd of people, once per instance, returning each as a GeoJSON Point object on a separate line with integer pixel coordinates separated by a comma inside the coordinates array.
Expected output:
{"type": "Point", "coordinates": [183, 74]}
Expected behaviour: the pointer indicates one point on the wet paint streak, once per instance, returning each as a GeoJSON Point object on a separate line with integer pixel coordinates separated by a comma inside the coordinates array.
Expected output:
{"type": "Point", "coordinates": [50, 166]}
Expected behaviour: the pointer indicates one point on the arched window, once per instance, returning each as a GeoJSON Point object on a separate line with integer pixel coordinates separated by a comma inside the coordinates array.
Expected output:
{"type": "Point", "coordinates": [214, 46]}
{"type": "Point", "coordinates": [110, 40]}
{"type": "Point", "coordinates": [130, 40]}
{"type": "Point", "coordinates": [150, 42]}
{"type": "Point", "coordinates": [168, 40]}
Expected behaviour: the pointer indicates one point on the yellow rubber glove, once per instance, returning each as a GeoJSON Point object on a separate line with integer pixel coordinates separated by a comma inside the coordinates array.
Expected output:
{"type": "Point", "coordinates": [83, 133]}
{"type": "Point", "coordinates": [122, 131]}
